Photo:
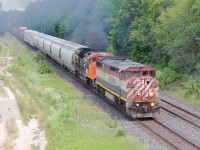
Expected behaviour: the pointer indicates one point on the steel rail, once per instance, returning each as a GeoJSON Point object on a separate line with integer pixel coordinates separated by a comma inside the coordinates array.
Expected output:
{"type": "Point", "coordinates": [154, 132]}
{"type": "Point", "coordinates": [196, 116]}
{"type": "Point", "coordinates": [194, 124]}
{"type": "Point", "coordinates": [194, 146]}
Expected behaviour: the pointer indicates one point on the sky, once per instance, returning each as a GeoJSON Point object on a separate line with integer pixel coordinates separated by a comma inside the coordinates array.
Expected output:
{"type": "Point", "coordinates": [14, 4]}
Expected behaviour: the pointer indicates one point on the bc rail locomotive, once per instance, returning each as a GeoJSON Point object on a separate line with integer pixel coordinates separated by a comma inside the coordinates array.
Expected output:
{"type": "Point", "coordinates": [130, 85]}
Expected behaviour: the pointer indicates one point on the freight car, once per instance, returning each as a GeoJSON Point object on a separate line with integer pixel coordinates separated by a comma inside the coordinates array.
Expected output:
{"type": "Point", "coordinates": [61, 51]}
{"type": "Point", "coordinates": [132, 86]}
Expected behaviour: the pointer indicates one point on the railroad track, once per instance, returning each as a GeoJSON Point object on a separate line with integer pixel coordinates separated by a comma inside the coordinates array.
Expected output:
{"type": "Point", "coordinates": [180, 113]}
{"type": "Point", "coordinates": [173, 139]}
{"type": "Point", "coordinates": [166, 135]}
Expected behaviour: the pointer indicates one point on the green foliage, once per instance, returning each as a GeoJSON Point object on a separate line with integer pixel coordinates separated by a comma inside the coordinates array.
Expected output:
{"type": "Point", "coordinates": [119, 35]}
{"type": "Point", "coordinates": [167, 77]}
{"type": "Point", "coordinates": [176, 34]}
{"type": "Point", "coordinates": [39, 56]}
{"type": "Point", "coordinates": [192, 86]}
{"type": "Point", "coordinates": [198, 69]}
{"type": "Point", "coordinates": [120, 132]}
{"type": "Point", "coordinates": [59, 30]}
{"type": "Point", "coordinates": [44, 67]}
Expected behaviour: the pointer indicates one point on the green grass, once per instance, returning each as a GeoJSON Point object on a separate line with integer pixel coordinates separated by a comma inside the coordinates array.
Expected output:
{"type": "Point", "coordinates": [180, 93]}
{"type": "Point", "coordinates": [69, 119]}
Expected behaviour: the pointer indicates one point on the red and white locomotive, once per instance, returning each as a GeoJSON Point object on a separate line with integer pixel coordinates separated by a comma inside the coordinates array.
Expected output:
{"type": "Point", "coordinates": [132, 86]}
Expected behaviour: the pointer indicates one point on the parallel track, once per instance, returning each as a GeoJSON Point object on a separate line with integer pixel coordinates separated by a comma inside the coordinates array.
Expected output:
{"type": "Point", "coordinates": [181, 113]}
{"type": "Point", "coordinates": [170, 137]}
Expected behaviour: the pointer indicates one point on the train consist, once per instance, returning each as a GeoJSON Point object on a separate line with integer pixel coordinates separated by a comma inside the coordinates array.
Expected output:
{"type": "Point", "coordinates": [130, 85]}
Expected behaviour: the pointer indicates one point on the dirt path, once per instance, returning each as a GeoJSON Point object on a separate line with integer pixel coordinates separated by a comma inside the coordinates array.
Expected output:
{"type": "Point", "coordinates": [13, 133]}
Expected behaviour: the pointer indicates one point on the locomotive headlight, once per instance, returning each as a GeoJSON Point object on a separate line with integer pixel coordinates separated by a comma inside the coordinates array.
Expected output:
{"type": "Point", "coordinates": [152, 104]}
{"type": "Point", "coordinates": [137, 104]}
{"type": "Point", "coordinates": [151, 93]}
{"type": "Point", "coordinates": [138, 94]}
{"type": "Point", "coordinates": [142, 81]}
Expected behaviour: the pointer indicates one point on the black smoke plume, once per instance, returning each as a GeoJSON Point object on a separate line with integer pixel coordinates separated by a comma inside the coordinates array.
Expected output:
{"type": "Point", "coordinates": [85, 22]}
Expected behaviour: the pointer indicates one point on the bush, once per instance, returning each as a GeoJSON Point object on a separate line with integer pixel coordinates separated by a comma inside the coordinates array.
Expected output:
{"type": "Point", "coordinates": [198, 68]}
{"type": "Point", "coordinates": [192, 86]}
{"type": "Point", "coordinates": [120, 132]}
{"type": "Point", "coordinates": [167, 76]}
{"type": "Point", "coordinates": [44, 68]}
{"type": "Point", "coordinates": [39, 56]}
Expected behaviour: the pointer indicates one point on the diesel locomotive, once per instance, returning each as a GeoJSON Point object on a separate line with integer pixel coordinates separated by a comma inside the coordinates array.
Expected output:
{"type": "Point", "coordinates": [130, 85]}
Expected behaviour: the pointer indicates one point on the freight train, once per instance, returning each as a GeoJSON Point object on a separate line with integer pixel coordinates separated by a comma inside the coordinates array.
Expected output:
{"type": "Point", "coordinates": [130, 85]}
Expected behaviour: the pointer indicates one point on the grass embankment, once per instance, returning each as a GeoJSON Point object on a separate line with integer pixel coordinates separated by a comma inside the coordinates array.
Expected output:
{"type": "Point", "coordinates": [182, 86]}
{"type": "Point", "coordinates": [69, 119]}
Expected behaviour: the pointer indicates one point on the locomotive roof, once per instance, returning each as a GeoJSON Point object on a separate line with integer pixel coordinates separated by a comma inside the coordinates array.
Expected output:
{"type": "Point", "coordinates": [94, 53]}
{"type": "Point", "coordinates": [119, 62]}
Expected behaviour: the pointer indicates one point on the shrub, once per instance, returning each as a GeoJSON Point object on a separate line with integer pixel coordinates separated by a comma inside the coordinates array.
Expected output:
{"type": "Point", "coordinates": [167, 76]}
{"type": "Point", "coordinates": [192, 86]}
{"type": "Point", "coordinates": [120, 132]}
{"type": "Point", "coordinates": [39, 56]}
{"type": "Point", "coordinates": [44, 68]}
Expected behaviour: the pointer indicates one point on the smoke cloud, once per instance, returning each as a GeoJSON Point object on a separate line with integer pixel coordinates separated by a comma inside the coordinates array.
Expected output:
{"type": "Point", "coordinates": [86, 22]}
{"type": "Point", "coordinates": [14, 4]}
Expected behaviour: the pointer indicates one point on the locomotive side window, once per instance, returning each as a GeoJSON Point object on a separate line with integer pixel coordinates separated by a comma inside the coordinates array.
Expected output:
{"type": "Point", "coordinates": [112, 68]}
{"type": "Point", "coordinates": [127, 74]}
{"type": "Point", "coordinates": [106, 67]}
{"type": "Point", "coordinates": [99, 65]}
{"type": "Point", "coordinates": [94, 59]}
{"type": "Point", "coordinates": [136, 73]}
{"type": "Point", "coordinates": [152, 73]}
{"type": "Point", "coordinates": [116, 70]}
{"type": "Point", "coordinates": [121, 75]}
{"type": "Point", "coordinates": [144, 73]}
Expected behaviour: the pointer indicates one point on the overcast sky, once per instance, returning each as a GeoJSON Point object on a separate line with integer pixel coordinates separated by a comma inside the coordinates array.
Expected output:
{"type": "Point", "coordinates": [14, 4]}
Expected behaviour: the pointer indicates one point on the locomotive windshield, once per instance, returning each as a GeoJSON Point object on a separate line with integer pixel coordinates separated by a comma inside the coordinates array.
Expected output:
{"type": "Point", "coordinates": [144, 73]}
{"type": "Point", "coordinates": [150, 73]}
{"type": "Point", "coordinates": [127, 74]}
